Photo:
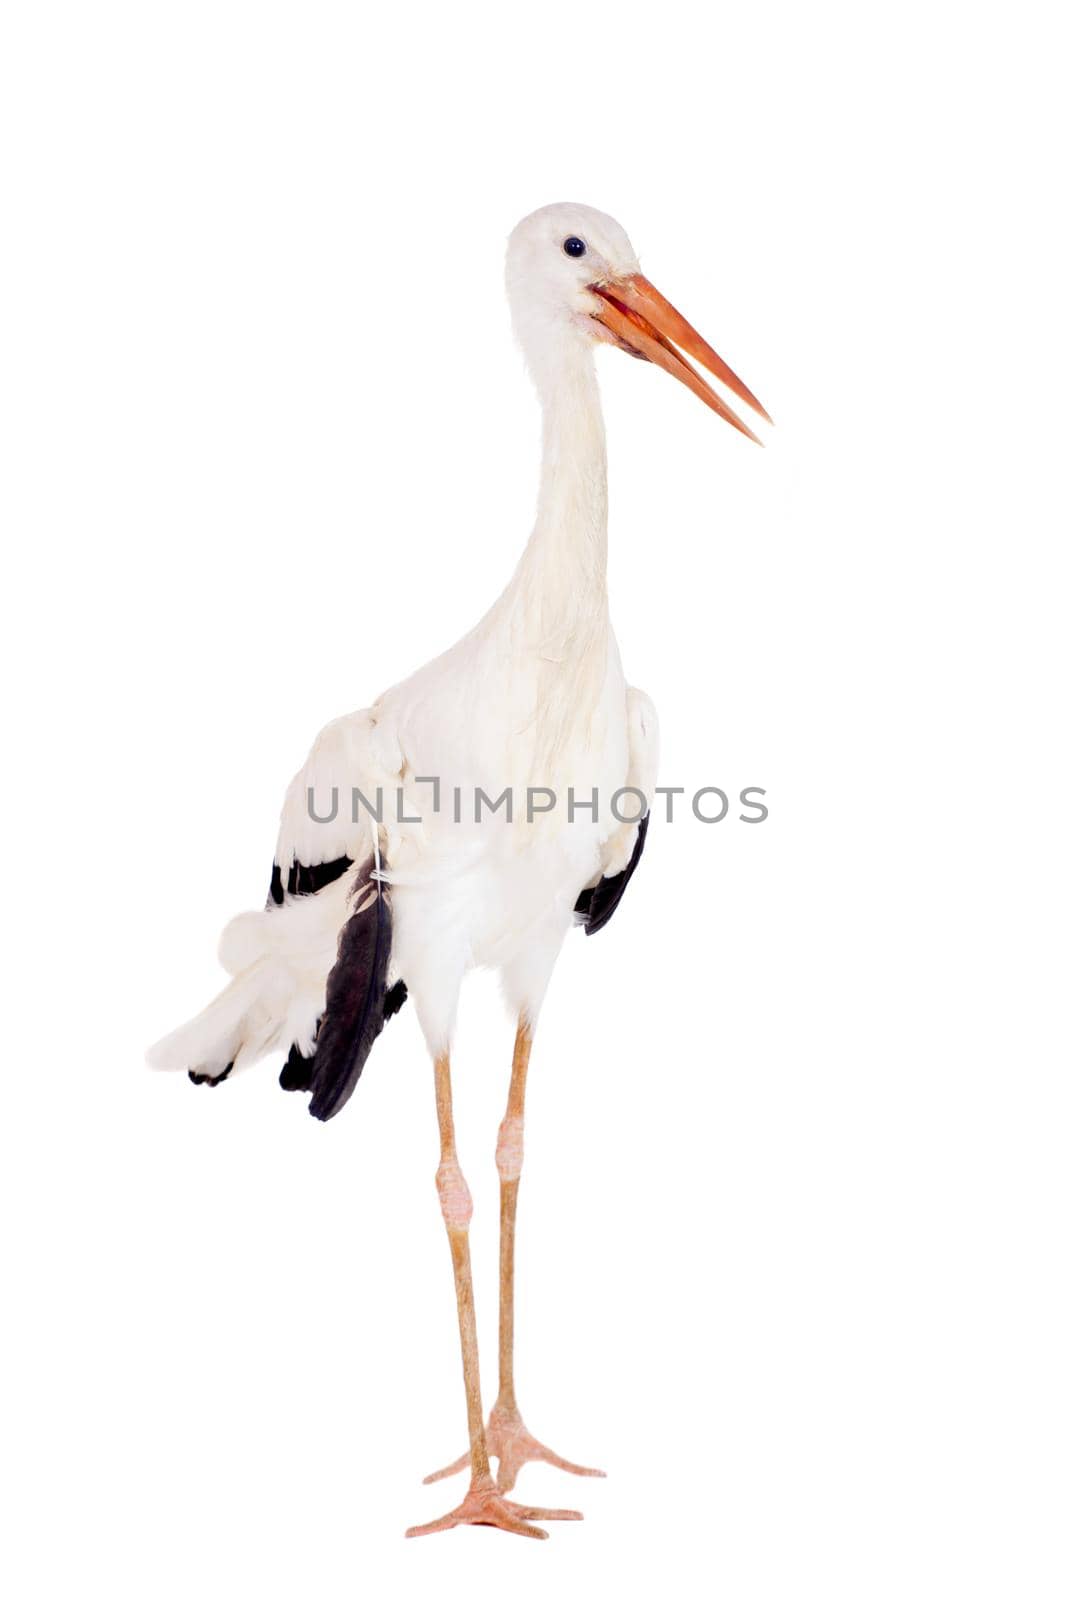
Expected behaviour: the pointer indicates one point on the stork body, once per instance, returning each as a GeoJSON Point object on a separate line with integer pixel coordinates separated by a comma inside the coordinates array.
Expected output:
{"type": "Point", "coordinates": [433, 871]}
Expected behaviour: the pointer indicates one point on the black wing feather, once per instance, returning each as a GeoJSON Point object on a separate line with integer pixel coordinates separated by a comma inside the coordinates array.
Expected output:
{"type": "Point", "coordinates": [306, 880]}
{"type": "Point", "coordinates": [297, 1071]}
{"type": "Point", "coordinates": [598, 904]}
{"type": "Point", "coordinates": [356, 997]}
{"type": "Point", "coordinates": [357, 1012]}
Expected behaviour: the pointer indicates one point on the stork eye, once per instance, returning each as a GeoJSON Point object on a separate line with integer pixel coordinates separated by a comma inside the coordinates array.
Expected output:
{"type": "Point", "coordinates": [574, 246]}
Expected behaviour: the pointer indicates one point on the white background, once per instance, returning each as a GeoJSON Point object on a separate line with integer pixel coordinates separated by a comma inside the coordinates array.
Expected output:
{"type": "Point", "coordinates": [791, 1231]}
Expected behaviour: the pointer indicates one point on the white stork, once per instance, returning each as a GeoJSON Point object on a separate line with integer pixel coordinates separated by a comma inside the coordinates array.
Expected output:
{"type": "Point", "coordinates": [407, 884]}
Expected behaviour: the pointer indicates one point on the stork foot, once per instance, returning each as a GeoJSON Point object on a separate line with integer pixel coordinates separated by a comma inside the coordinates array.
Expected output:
{"type": "Point", "coordinates": [485, 1506]}
{"type": "Point", "coordinates": [511, 1442]}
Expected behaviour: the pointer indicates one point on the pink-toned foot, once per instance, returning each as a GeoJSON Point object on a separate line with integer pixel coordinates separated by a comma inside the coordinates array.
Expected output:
{"type": "Point", "coordinates": [511, 1442]}
{"type": "Point", "coordinates": [485, 1506]}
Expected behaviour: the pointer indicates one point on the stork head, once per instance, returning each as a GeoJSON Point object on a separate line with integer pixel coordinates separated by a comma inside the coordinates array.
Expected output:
{"type": "Point", "coordinates": [573, 279]}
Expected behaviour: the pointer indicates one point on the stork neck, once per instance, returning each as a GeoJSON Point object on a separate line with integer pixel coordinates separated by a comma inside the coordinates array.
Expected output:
{"type": "Point", "coordinates": [555, 610]}
{"type": "Point", "coordinates": [565, 561]}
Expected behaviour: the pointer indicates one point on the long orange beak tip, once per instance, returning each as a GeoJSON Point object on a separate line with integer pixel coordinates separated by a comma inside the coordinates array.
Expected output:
{"type": "Point", "coordinates": [753, 404]}
{"type": "Point", "coordinates": [744, 428]}
{"type": "Point", "coordinates": [645, 322]}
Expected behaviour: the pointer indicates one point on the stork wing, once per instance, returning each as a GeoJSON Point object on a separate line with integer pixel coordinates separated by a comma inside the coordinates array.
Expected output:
{"type": "Point", "coordinates": [318, 837]}
{"type": "Point", "coordinates": [599, 900]}
{"type": "Point", "coordinates": [322, 835]}
{"type": "Point", "coordinates": [598, 904]}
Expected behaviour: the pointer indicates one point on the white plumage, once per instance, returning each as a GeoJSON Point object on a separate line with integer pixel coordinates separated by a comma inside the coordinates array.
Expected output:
{"type": "Point", "coordinates": [533, 695]}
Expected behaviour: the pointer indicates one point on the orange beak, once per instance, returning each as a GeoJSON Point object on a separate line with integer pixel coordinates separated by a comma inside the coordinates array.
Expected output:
{"type": "Point", "coordinates": [641, 321]}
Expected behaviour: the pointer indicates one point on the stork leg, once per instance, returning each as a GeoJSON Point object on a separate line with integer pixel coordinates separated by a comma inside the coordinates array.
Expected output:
{"type": "Point", "coordinates": [507, 1436]}
{"type": "Point", "coordinates": [484, 1502]}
